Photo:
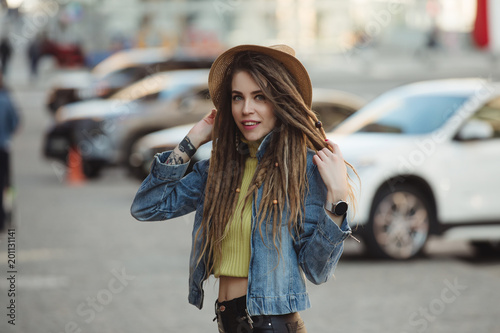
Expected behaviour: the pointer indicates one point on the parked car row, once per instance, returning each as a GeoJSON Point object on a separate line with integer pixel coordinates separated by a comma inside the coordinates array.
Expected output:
{"type": "Point", "coordinates": [104, 130]}
{"type": "Point", "coordinates": [426, 153]}
{"type": "Point", "coordinates": [104, 127]}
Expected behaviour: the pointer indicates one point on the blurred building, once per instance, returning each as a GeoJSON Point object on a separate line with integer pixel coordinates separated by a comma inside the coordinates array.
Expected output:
{"type": "Point", "coordinates": [312, 26]}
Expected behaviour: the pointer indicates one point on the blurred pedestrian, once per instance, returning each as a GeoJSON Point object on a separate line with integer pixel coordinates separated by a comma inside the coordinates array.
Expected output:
{"type": "Point", "coordinates": [430, 49]}
{"type": "Point", "coordinates": [270, 203]}
{"type": "Point", "coordinates": [432, 38]}
{"type": "Point", "coordinates": [9, 120]}
{"type": "Point", "coordinates": [5, 53]}
{"type": "Point", "coordinates": [35, 52]}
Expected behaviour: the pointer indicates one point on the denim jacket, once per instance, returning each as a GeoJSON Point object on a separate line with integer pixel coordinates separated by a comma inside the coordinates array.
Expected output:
{"type": "Point", "coordinates": [276, 284]}
{"type": "Point", "coordinates": [9, 119]}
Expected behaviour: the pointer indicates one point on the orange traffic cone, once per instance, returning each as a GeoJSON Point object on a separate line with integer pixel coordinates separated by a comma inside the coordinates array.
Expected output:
{"type": "Point", "coordinates": [74, 173]}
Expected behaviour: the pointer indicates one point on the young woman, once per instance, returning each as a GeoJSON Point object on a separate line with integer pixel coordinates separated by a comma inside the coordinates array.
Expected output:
{"type": "Point", "coordinates": [270, 203]}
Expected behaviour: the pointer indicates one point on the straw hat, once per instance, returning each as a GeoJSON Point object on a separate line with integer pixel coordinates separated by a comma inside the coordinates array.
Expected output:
{"type": "Point", "coordinates": [283, 53]}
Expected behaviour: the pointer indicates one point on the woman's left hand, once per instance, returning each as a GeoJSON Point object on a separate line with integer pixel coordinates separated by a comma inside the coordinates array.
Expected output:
{"type": "Point", "coordinates": [333, 171]}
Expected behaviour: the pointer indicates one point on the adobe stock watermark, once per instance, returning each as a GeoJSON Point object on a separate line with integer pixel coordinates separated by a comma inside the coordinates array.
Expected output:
{"type": "Point", "coordinates": [421, 318]}
{"type": "Point", "coordinates": [373, 28]}
{"type": "Point", "coordinates": [45, 10]}
{"type": "Point", "coordinates": [88, 309]}
{"type": "Point", "coordinates": [223, 6]}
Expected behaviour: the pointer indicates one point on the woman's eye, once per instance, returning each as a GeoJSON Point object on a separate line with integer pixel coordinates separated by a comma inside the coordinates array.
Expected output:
{"type": "Point", "coordinates": [236, 98]}
{"type": "Point", "coordinates": [260, 97]}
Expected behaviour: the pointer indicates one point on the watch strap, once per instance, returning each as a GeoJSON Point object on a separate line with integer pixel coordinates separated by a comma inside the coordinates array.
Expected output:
{"type": "Point", "coordinates": [329, 206]}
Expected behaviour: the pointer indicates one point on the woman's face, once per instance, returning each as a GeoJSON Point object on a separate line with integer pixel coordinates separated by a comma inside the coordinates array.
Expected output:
{"type": "Point", "coordinates": [252, 112]}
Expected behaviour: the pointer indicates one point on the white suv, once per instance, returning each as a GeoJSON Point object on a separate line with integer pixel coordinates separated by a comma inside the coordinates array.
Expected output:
{"type": "Point", "coordinates": [428, 156]}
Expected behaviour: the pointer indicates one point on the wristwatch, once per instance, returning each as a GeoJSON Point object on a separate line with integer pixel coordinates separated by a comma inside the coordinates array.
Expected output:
{"type": "Point", "coordinates": [338, 209]}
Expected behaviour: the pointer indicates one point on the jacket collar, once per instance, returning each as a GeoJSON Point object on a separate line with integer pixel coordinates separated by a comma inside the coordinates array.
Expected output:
{"type": "Point", "coordinates": [260, 149]}
{"type": "Point", "coordinates": [263, 145]}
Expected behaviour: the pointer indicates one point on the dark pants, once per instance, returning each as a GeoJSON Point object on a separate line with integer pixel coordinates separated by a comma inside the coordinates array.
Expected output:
{"type": "Point", "coordinates": [232, 317]}
{"type": "Point", "coordinates": [4, 183]}
{"type": "Point", "coordinates": [4, 60]}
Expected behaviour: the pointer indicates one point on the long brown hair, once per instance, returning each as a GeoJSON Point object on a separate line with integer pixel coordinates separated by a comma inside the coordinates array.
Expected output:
{"type": "Point", "coordinates": [287, 183]}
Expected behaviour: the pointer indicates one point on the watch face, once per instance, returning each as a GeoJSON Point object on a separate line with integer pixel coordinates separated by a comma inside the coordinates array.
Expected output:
{"type": "Point", "coordinates": [341, 208]}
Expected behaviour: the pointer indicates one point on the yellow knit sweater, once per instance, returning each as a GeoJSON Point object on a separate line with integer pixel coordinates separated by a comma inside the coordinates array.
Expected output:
{"type": "Point", "coordinates": [236, 250]}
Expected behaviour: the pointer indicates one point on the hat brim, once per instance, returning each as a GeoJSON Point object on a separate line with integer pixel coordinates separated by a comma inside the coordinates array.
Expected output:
{"type": "Point", "coordinates": [292, 64]}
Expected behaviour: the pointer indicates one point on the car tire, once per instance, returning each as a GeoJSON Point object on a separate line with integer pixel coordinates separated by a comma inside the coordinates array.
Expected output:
{"type": "Point", "coordinates": [487, 248]}
{"type": "Point", "coordinates": [91, 170]}
{"type": "Point", "coordinates": [399, 223]}
{"type": "Point", "coordinates": [137, 167]}
{"type": "Point", "coordinates": [138, 172]}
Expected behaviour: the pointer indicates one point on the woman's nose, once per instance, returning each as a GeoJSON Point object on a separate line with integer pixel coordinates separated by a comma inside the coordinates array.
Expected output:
{"type": "Point", "coordinates": [248, 107]}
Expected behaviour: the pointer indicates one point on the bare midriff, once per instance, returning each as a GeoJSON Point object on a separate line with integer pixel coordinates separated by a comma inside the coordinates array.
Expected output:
{"type": "Point", "coordinates": [232, 287]}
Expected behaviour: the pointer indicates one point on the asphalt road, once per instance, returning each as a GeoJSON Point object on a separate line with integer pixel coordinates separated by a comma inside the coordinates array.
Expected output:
{"type": "Point", "coordinates": [85, 265]}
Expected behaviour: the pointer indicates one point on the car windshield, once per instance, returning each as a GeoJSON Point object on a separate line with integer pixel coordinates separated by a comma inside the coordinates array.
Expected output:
{"type": "Point", "coordinates": [122, 77]}
{"type": "Point", "coordinates": [416, 114]}
{"type": "Point", "coordinates": [138, 90]}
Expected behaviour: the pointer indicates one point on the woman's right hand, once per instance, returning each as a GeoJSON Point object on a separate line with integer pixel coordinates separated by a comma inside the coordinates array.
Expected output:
{"type": "Point", "coordinates": [201, 133]}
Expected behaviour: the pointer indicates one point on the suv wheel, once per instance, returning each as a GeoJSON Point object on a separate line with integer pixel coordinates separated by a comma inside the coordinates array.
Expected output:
{"type": "Point", "coordinates": [487, 248]}
{"type": "Point", "coordinates": [399, 223]}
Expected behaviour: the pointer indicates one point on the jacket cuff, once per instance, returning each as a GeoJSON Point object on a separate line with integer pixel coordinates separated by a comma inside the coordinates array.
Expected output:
{"type": "Point", "coordinates": [332, 232]}
{"type": "Point", "coordinates": [164, 171]}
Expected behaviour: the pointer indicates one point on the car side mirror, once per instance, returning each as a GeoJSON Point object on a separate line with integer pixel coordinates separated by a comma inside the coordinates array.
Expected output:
{"type": "Point", "coordinates": [475, 129]}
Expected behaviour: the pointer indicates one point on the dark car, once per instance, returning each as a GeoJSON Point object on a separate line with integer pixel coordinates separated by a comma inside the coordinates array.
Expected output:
{"type": "Point", "coordinates": [66, 55]}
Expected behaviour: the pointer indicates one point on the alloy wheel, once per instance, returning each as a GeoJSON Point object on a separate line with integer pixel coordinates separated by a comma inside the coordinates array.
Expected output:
{"type": "Point", "coordinates": [401, 224]}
